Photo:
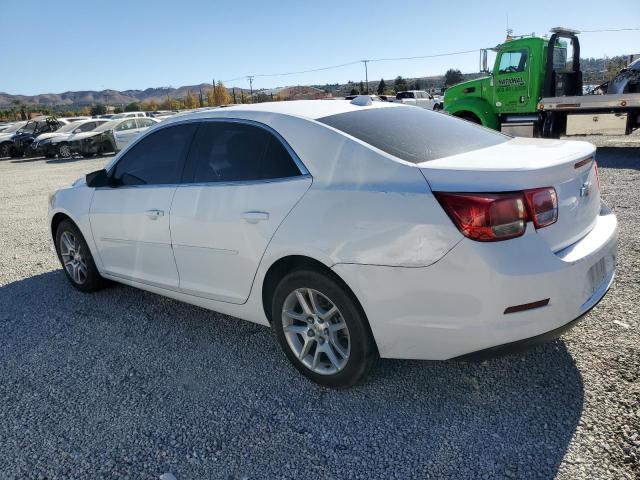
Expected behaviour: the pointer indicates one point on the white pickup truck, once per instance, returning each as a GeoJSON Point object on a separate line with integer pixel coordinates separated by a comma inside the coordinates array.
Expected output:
{"type": "Point", "coordinates": [419, 98]}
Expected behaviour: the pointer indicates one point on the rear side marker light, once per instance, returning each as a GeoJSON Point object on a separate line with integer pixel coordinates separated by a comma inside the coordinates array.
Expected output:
{"type": "Point", "coordinates": [582, 163]}
{"type": "Point", "coordinates": [527, 306]}
{"type": "Point", "coordinates": [491, 217]}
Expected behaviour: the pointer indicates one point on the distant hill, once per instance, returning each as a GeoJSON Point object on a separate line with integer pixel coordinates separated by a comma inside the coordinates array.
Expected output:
{"type": "Point", "coordinates": [107, 97]}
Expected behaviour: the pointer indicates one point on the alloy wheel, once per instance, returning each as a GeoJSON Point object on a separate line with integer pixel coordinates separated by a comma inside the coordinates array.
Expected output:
{"type": "Point", "coordinates": [65, 151]}
{"type": "Point", "coordinates": [72, 257]}
{"type": "Point", "coordinates": [316, 331]}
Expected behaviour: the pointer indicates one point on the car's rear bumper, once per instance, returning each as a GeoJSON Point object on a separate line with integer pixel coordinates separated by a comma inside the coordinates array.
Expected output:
{"type": "Point", "coordinates": [526, 343]}
{"type": "Point", "coordinates": [459, 305]}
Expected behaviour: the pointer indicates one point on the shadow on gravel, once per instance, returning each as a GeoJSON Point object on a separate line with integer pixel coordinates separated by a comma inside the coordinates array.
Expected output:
{"type": "Point", "coordinates": [618, 157]}
{"type": "Point", "coordinates": [127, 383]}
{"type": "Point", "coordinates": [66, 160]}
{"type": "Point", "coordinates": [27, 160]}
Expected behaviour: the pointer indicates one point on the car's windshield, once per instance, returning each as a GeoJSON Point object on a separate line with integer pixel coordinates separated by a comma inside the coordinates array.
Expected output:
{"type": "Point", "coordinates": [107, 126]}
{"type": "Point", "coordinates": [414, 134]}
{"type": "Point", "coordinates": [29, 127]}
{"type": "Point", "coordinates": [13, 128]}
{"type": "Point", "coordinates": [69, 127]}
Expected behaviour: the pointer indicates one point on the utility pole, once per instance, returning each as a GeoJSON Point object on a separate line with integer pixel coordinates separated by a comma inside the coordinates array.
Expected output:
{"type": "Point", "coordinates": [366, 74]}
{"type": "Point", "coordinates": [250, 78]}
{"type": "Point", "coordinates": [234, 95]}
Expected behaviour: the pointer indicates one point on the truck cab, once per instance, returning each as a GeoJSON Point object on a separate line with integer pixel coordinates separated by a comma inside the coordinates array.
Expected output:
{"type": "Point", "coordinates": [529, 74]}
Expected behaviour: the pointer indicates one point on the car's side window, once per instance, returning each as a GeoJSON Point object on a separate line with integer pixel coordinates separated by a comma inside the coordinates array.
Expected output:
{"type": "Point", "coordinates": [126, 125]}
{"type": "Point", "coordinates": [233, 151]}
{"type": "Point", "coordinates": [514, 61]}
{"type": "Point", "coordinates": [157, 159]}
{"type": "Point", "coordinates": [145, 122]}
{"type": "Point", "coordinates": [85, 127]}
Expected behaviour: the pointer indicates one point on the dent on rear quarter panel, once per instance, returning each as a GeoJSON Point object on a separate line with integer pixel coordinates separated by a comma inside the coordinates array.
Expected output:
{"type": "Point", "coordinates": [364, 207]}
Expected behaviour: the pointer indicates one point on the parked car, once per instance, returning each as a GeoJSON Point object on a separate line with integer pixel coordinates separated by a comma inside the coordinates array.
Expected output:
{"type": "Point", "coordinates": [5, 138]}
{"type": "Point", "coordinates": [112, 136]}
{"type": "Point", "coordinates": [387, 98]}
{"type": "Point", "coordinates": [353, 231]}
{"type": "Point", "coordinates": [58, 142]}
{"type": "Point", "coordinates": [22, 138]}
{"type": "Point", "coordinates": [418, 98]}
{"type": "Point", "coordinates": [374, 98]}
{"type": "Point", "coordinates": [129, 115]}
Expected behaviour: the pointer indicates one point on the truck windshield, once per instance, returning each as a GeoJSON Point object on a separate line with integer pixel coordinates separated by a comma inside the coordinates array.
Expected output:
{"type": "Point", "coordinates": [414, 134]}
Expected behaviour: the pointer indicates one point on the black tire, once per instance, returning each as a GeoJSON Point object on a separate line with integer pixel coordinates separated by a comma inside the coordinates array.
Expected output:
{"type": "Point", "coordinates": [15, 153]}
{"type": "Point", "coordinates": [5, 150]}
{"type": "Point", "coordinates": [470, 117]}
{"type": "Point", "coordinates": [91, 280]}
{"type": "Point", "coordinates": [362, 349]}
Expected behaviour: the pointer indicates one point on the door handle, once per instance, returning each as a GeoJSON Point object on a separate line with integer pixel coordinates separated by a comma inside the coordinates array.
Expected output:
{"type": "Point", "coordinates": [255, 217]}
{"type": "Point", "coordinates": [154, 214]}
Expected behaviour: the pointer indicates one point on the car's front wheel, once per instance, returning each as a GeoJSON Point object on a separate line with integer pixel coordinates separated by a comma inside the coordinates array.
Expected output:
{"type": "Point", "coordinates": [64, 150]}
{"type": "Point", "coordinates": [321, 329]}
{"type": "Point", "coordinates": [5, 149]}
{"type": "Point", "coordinates": [76, 259]}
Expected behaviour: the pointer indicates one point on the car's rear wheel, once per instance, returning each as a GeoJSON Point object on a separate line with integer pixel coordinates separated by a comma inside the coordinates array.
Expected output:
{"type": "Point", "coordinates": [64, 150]}
{"type": "Point", "coordinates": [76, 259]}
{"type": "Point", "coordinates": [321, 329]}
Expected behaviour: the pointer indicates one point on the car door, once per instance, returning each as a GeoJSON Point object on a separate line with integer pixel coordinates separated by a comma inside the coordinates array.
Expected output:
{"type": "Point", "coordinates": [125, 132]}
{"type": "Point", "coordinates": [130, 218]}
{"type": "Point", "coordinates": [243, 181]}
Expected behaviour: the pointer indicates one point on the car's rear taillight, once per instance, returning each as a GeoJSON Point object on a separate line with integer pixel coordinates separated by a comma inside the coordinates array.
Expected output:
{"type": "Point", "coordinates": [595, 167]}
{"type": "Point", "coordinates": [486, 217]}
{"type": "Point", "coordinates": [490, 217]}
{"type": "Point", "coordinates": [543, 206]}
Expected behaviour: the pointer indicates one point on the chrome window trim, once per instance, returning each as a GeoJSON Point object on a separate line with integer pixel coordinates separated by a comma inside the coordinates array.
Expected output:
{"type": "Point", "coordinates": [237, 183]}
{"type": "Point", "coordinates": [304, 172]}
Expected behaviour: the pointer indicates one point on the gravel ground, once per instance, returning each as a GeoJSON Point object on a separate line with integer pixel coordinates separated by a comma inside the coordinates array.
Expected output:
{"type": "Point", "coordinates": [127, 384]}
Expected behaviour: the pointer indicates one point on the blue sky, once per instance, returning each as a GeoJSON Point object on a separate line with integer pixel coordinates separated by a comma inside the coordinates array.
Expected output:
{"type": "Point", "coordinates": [54, 46]}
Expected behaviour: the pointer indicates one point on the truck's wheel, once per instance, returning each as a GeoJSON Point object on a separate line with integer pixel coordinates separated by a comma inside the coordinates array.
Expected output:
{"type": "Point", "coordinates": [470, 117]}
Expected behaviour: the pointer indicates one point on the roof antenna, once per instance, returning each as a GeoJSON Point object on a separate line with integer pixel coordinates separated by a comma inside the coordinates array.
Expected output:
{"type": "Point", "coordinates": [509, 30]}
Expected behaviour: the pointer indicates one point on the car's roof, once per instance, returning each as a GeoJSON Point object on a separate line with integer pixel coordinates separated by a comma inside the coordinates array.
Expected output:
{"type": "Point", "coordinates": [310, 109]}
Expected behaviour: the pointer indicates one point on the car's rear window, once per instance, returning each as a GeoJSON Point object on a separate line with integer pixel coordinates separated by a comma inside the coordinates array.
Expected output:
{"type": "Point", "coordinates": [414, 134]}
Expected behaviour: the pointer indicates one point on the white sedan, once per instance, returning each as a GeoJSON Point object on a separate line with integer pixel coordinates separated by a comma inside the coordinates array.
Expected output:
{"type": "Point", "coordinates": [355, 229]}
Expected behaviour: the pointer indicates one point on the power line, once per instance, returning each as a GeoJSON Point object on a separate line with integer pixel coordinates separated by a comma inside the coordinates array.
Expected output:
{"type": "Point", "coordinates": [611, 30]}
{"type": "Point", "coordinates": [424, 56]}
{"type": "Point", "coordinates": [390, 59]}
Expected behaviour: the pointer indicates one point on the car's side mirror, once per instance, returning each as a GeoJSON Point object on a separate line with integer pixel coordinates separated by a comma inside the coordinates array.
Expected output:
{"type": "Point", "coordinates": [99, 178]}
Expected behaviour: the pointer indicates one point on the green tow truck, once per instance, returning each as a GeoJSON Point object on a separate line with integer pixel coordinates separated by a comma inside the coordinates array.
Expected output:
{"type": "Point", "coordinates": [535, 90]}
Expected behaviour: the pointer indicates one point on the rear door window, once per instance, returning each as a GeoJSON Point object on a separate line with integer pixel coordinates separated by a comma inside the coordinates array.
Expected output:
{"type": "Point", "coordinates": [126, 125]}
{"type": "Point", "coordinates": [234, 151]}
{"type": "Point", "coordinates": [414, 134]}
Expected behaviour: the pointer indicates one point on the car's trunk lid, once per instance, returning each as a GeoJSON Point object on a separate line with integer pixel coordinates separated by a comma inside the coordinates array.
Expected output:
{"type": "Point", "coordinates": [524, 163]}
